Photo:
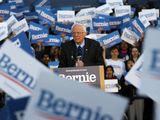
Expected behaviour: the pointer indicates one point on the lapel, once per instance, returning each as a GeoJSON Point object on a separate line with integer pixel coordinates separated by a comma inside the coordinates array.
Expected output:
{"type": "Point", "coordinates": [73, 49]}
{"type": "Point", "coordinates": [86, 49]}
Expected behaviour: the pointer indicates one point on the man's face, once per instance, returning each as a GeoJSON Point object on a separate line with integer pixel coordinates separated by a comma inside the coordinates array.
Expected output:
{"type": "Point", "coordinates": [78, 33]}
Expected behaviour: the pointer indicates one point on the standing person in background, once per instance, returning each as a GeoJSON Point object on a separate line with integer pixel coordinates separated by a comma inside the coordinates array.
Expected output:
{"type": "Point", "coordinates": [134, 54]}
{"type": "Point", "coordinates": [80, 51]}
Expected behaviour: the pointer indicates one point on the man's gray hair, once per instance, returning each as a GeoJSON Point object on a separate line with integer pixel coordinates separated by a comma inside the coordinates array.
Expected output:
{"type": "Point", "coordinates": [78, 24]}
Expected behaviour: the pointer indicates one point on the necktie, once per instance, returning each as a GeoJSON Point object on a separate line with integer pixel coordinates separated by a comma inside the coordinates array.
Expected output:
{"type": "Point", "coordinates": [79, 51]}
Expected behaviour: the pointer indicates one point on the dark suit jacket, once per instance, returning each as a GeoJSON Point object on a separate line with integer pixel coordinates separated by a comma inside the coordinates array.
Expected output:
{"type": "Point", "coordinates": [92, 54]}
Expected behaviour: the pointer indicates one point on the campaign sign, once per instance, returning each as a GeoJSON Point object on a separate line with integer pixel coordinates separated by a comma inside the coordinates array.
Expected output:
{"type": "Point", "coordinates": [38, 36]}
{"type": "Point", "coordinates": [36, 27]}
{"type": "Point", "coordinates": [20, 26]}
{"type": "Point", "coordinates": [90, 12]}
{"type": "Point", "coordinates": [134, 76]}
{"type": "Point", "coordinates": [144, 21]}
{"type": "Point", "coordinates": [95, 36]}
{"type": "Point", "coordinates": [129, 36]}
{"type": "Point", "coordinates": [114, 3]}
{"type": "Point", "coordinates": [32, 16]}
{"type": "Point", "coordinates": [93, 75]}
{"type": "Point", "coordinates": [5, 11]}
{"type": "Point", "coordinates": [102, 24]}
{"type": "Point", "coordinates": [138, 27]}
{"type": "Point", "coordinates": [151, 67]}
{"type": "Point", "coordinates": [65, 16]}
{"type": "Point", "coordinates": [56, 98]}
{"type": "Point", "coordinates": [85, 20]}
{"type": "Point", "coordinates": [53, 64]}
{"type": "Point", "coordinates": [3, 30]}
{"type": "Point", "coordinates": [40, 3]}
{"type": "Point", "coordinates": [104, 9]}
{"type": "Point", "coordinates": [111, 85]}
{"type": "Point", "coordinates": [149, 14]}
{"type": "Point", "coordinates": [125, 19]}
{"type": "Point", "coordinates": [122, 10]}
{"type": "Point", "coordinates": [11, 22]}
{"type": "Point", "coordinates": [52, 40]}
{"type": "Point", "coordinates": [114, 22]}
{"type": "Point", "coordinates": [18, 76]}
{"type": "Point", "coordinates": [111, 39]}
{"type": "Point", "coordinates": [47, 16]}
{"type": "Point", "coordinates": [63, 28]}
{"type": "Point", "coordinates": [22, 41]}
{"type": "Point", "coordinates": [18, 2]}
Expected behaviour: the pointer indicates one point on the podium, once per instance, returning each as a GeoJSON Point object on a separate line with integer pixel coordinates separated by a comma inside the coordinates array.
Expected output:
{"type": "Point", "coordinates": [92, 75]}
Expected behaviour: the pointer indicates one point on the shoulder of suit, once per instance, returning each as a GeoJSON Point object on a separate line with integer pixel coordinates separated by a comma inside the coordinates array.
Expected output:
{"type": "Point", "coordinates": [92, 41]}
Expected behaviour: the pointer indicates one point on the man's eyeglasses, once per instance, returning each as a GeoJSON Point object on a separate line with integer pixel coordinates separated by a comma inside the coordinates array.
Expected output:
{"type": "Point", "coordinates": [78, 33]}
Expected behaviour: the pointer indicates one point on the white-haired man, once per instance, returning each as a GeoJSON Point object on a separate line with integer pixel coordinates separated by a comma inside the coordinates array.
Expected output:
{"type": "Point", "coordinates": [80, 51]}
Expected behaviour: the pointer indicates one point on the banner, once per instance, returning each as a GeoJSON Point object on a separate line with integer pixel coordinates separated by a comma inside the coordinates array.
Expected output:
{"type": "Point", "coordinates": [11, 22]}
{"type": "Point", "coordinates": [111, 39]}
{"type": "Point", "coordinates": [85, 20]}
{"type": "Point", "coordinates": [144, 21]}
{"type": "Point", "coordinates": [32, 16]}
{"type": "Point", "coordinates": [36, 27]}
{"type": "Point", "coordinates": [52, 40]}
{"type": "Point", "coordinates": [129, 36]}
{"type": "Point", "coordinates": [151, 14]}
{"type": "Point", "coordinates": [114, 3]}
{"type": "Point", "coordinates": [3, 30]}
{"type": "Point", "coordinates": [114, 22]}
{"type": "Point", "coordinates": [22, 41]}
{"type": "Point", "coordinates": [56, 98]}
{"type": "Point", "coordinates": [20, 26]}
{"type": "Point", "coordinates": [104, 9]}
{"type": "Point", "coordinates": [38, 36]}
{"type": "Point", "coordinates": [65, 16]}
{"type": "Point", "coordinates": [151, 68]}
{"type": "Point", "coordinates": [5, 11]}
{"type": "Point", "coordinates": [122, 10]}
{"type": "Point", "coordinates": [93, 75]}
{"type": "Point", "coordinates": [18, 76]}
{"type": "Point", "coordinates": [134, 76]}
{"type": "Point", "coordinates": [111, 85]}
{"type": "Point", "coordinates": [63, 28]}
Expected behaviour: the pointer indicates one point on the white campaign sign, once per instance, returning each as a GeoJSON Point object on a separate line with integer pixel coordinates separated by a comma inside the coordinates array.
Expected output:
{"type": "Point", "coordinates": [151, 68]}
{"type": "Point", "coordinates": [129, 36]}
{"type": "Point", "coordinates": [11, 22]}
{"type": "Point", "coordinates": [95, 36]}
{"type": "Point", "coordinates": [20, 26]}
{"type": "Point", "coordinates": [87, 12]}
{"type": "Point", "coordinates": [111, 85]}
{"type": "Point", "coordinates": [104, 9]}
{"type": "Point", "coordinates": [150, 14]}
{"type": "Point", "coordinates": [85, 20]}
{"type": "Point", "coordinates": [18, 71]}
{"type": "Point", "coordinates": [144, 21]}
{"type": "Point", "coordinates": [65, 16]}
{"type": "Point", "coordinates": [134, 76]}
{"type": "Point", "coordinates": [3, 30]}
{"type": "Point", "coordinates": [114, 3]}
{"type": "Point", "coordinates": [122, 10]}
{"type": "Point", "coordinates": [56, 98]}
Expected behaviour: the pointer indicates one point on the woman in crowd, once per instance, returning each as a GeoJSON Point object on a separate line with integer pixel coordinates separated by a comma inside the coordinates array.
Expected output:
{"type": "Point", "coordinates": [135, 54]}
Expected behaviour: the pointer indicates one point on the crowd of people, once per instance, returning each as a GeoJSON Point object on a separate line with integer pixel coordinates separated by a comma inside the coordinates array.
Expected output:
{"type": "Point", "coordinates": [117, 61]}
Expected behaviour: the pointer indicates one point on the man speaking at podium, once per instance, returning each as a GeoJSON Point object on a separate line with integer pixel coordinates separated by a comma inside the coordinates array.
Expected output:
{"type": "Point", "coordinates": [80, 51]}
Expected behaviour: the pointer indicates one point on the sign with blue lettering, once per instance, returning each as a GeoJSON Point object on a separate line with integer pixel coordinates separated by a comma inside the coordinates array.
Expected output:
{"type": "Point", "coordinates": [5, 11]}
{"type": "Point", "coordinates": [40, 3]}
{"type": "Point", "coordinates": [151, 67]}
{"type": "Point", "coordinates": [114, 22]}
{"type": "Point", "coordinates": [32, 16]}
{"type": "Point", "coordinates": [18, 77]}
{"type": "Point", "coordinates": [36, 27]}
{"type": "Point", "coordinates": [100, 23]}
{"type": "Point", "coordinates": [52, 40]}
{"type": "Point", "coordinates": [21, 41]}
{"type": "Point", "coordinates": [63, 28]}
{"type": "Point", "coordinates": [51, 101]}
{"type": "Point", "coordinates": [47, 16]}
{"type": "Point", "coordinates": [111, 39]}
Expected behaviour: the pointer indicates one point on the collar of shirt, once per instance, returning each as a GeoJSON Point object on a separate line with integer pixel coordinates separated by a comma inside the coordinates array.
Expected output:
{"type": "Point", "coordinates": [82, 44]}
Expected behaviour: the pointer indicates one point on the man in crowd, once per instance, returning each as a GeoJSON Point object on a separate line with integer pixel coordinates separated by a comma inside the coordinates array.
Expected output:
{"type": "Point", "coordinates": [80, 51]}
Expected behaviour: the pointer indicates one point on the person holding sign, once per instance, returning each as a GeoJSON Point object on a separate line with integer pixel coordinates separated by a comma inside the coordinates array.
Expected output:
{"type": "Point", "coordinates": [80, 51]}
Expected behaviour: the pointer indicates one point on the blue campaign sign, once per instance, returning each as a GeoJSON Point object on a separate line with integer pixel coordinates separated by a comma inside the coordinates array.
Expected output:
{"type": "Point", "coordinates": [38, 36]}
{"type": "Point", "coordinates": [100, 23]}
{"type": "Point", "coordinates": [111, 39]}
{"type": "Point", "coordinates": [52, 40]}
{"type": "Point", "coordinates": [114, 22]}
{"type": "Point", "coordinates": [31, 16]}
{"type": "Point", "coordinates": [36, 27]}
{"type": "Point", "coordinates": [21, 41]}
{"type": "Point", "coordinates": [125, 18]}
{"type": "Point", "coordinates": [53, 64]}
{"type": "Point", "coordinates": [63, 28]}
{"type": "Point", "coordinates": [5, 11]}
{"type": "Point", "coordinates": [47, 16]}
{"type": "Point", "coordinates": [137, 27]}
{"type": "Point", "coordinates": [18, 2]}
{"type": "Point", "coordinates": [41, 3]}
{"type": "Point", "coordinates": [16, 108]}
